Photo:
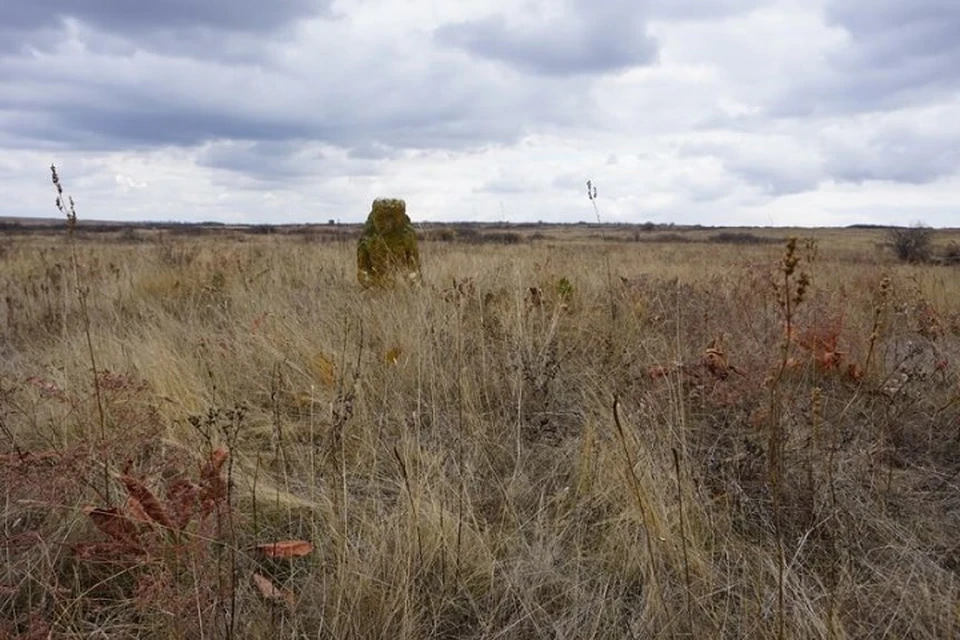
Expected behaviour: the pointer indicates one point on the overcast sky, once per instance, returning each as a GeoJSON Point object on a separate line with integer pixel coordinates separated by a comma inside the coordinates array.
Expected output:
{"type": "Point", "coordinates": [747, 112]}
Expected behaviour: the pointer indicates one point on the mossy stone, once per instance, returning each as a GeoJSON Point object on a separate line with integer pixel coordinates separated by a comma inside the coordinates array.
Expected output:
{"type": "Point", "coordinates": [387, 250]}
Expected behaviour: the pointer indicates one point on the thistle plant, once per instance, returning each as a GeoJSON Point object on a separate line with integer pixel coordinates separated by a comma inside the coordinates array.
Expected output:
{"type": "Point", "coordinates": [879, 306]}
{"type": "Point", "coordinates": [791, 290]}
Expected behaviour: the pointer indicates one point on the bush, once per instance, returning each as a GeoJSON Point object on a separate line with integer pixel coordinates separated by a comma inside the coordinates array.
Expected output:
{"type": "Point", "coordinates": [441, 235]}
{"type": "Point", "coordinates": [741, 237]}
{"type": "Point", "coordinates": [466, 233]}
{"type": "Point", "coordinates": [666, 237]}
{"type": "Point", "coordinates": [912, 244]}
{"type": "Point", "coordinates": [951, 253]}
{"type": "Point", "coordinates": [502, 237]}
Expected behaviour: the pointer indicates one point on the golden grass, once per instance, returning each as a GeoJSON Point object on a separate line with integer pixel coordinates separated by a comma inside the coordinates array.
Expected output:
{"type": "Point", "coordinates": [452, 451]}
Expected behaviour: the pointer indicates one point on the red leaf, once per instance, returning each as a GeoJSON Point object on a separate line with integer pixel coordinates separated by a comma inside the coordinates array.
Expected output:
{"type": "Point", "coordinates": [136, 510]}
{"type": "Point", "coordinates": [271, 592]}
{"type": "Point", "coordinates": [114, 524]}
{"type": "Point", "coordinates": [151, 505]}
{"type": "Point", "coordinates": [182, 497]}
{"type": "Point", "coordinates": [285, 549]}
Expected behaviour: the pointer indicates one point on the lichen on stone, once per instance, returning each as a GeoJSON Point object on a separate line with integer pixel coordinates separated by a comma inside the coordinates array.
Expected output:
{"type": "Point", "coordinates": [387, 250]}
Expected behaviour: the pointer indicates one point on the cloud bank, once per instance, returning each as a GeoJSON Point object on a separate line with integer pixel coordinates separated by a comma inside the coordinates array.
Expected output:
{"type": "Point", "coordinates": [727, 112]}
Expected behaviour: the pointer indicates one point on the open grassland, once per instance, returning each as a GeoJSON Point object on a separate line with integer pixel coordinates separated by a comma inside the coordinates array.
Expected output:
{"type": "Point", "coordinates": [589, 434]}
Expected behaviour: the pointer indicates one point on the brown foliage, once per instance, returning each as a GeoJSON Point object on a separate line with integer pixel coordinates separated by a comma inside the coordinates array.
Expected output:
{"type": "Point", "coordinates": [136, 510]}
{"type": "Point", "coordinates": [213, 488]}
{"type": "Point", "coordinates": [273, 593]}
{"type": "Point", "coordinates": [182, 501]}
{"type": "Point", "coordinates": [821, 341]}
{"type": "Point", "coordinates": [115, 524]}
{"type": "Point", "coordinates": [151, 506]}
{"type": "Point", "coordinates": [285, 549]}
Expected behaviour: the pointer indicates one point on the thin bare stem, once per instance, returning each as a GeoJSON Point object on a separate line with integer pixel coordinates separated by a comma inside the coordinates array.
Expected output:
{"type": "Point", "coordinates": [683, 539]}
{"type": "Point", "coordinates": [68, 208]}
{"type": "Point", "coordinates": [637, 493]}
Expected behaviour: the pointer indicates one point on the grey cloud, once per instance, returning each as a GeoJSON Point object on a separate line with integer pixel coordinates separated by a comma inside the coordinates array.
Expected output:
{"type": "Point", "coordinates": [269, 161]}
{"type": "Point", "coordinates": [230, 47]}
{"type": "Point", "coordinates": [101, 91]}
{"type": "Point", "coordinates": [372, 151]}
{"type": "Point", "coordinates": [872, 18]}
{"type": "Point", "coordinates": [773, 179]}
{"type": "Point", "coordinates": [210, 29]}
{"type": "Point", "coordinates": [588, 38]}
{"type": "Point", "coordinates": [899, 53]}
{"type": "Point", "coordinates": [14, 41]}
{"type": "Point", "coordinates": [123, 16]}
{"type": "Point", "coordinates": [703, 193]}
{"type": "Point", "coordinates": [152, 101]}
{"type": "Point", "coordinates": [269, 164]}
{"type": "Point", "coordinates": [775, 169]}
{"type": "Point", "coordinates": [135, 125]}
{"type": "Point", "coordinates": [895, 155]}
{"type": "Point", "coordinates": [914, 42]}
{"type": "Point", "coordinates": [103, 104]}
{"type": "Point", "coordinates": [701, 9]}
{"type": "Point", "coordinates": [842, 153]}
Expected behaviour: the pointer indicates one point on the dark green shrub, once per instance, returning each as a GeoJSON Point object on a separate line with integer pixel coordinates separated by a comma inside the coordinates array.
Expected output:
{"type": "Point", "coordinates": [911, 244]}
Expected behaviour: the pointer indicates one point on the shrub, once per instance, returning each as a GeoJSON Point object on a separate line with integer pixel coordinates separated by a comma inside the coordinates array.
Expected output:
{"type": "Point", "coordinates": [741, 237]}
{"type": "Point", "coordinates": [465, 233]}
{"type": "Point", "coordinates": [505, 237]}
{"type": "Point", "coordinates": [445, 234]}
{"type": "Point", "coordinates": [951, 253]}
{"type": "Point", "coordinates": [666, 237]}
{"type": "Point", "coordinates": [911, 244]}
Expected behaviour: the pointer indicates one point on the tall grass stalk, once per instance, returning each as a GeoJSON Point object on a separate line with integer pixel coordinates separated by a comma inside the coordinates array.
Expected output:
{"type": "Point", "coordinates": [68, 209]}
{"type": "Point", "coordinates": [592, 195]}
{"type": "Point", "coordinates": [631, 473]}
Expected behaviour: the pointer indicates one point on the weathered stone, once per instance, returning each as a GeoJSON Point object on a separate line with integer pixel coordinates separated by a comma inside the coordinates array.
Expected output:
{"type": "Point", "coordinates": [387, 250]}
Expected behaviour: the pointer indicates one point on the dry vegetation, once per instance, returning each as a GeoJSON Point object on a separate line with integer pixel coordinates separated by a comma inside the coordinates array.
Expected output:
{"type": "Point", "coordinates": [225, 437]}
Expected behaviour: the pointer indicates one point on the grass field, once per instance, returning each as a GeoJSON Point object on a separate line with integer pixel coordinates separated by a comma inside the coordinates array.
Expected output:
{"type": "Point", "coordinates": [568, 432]}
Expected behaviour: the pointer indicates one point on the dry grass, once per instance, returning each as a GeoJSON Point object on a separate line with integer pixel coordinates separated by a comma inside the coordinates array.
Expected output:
{"type": "Point", "coordinates": [454, 453]}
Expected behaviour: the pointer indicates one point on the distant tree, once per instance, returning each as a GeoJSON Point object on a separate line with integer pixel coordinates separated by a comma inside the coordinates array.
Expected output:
{"type": "Point", "coordinates": [912, 244]}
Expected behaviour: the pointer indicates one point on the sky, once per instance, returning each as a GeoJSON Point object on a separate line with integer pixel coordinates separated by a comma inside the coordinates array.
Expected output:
{"type": "Point", "coordinates": [714, 112]}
